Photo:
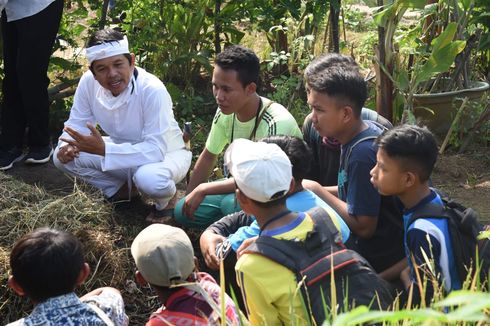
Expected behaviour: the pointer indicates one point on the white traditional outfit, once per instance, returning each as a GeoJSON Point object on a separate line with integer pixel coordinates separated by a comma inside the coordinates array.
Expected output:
{"type": "Point", "coordinates": [144, 143]}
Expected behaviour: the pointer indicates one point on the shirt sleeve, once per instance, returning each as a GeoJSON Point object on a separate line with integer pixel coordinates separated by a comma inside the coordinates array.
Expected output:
{"type": "Point", "coordinates": [230, 223]}
{"type": "Point", "coordinates": [362, 197]}
{"type": "Point", "coordinates": [110, 302]}
{"type": "Point", "coordinates": [157, 114]}
{"type": "Point", "coordinates": [217, 138]}
{"type": "Point", "coordinates": [80, 113]}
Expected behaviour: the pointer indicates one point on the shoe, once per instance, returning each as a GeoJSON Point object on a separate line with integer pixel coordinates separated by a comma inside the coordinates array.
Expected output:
{"type": "Point", "coordinates": [39, 154]}
{"type": "Point", "coordinates": [160, 216]}
{"type": "Point", "coordinates": [8, 158]}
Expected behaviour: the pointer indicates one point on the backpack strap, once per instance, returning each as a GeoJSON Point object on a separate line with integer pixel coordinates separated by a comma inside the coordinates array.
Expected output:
{"type": "Point", "coordinates": [430, 210]}
{"type": "Point", "coordinates": [288, 252]}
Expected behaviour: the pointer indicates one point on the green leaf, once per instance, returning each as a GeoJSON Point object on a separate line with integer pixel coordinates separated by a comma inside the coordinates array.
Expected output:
{"type": "Point", "coordinates": [445, 38]}
{"type": "Point", "coordinates": [402, 80]}
{"type": "Point", "coordinates": [440, 60]}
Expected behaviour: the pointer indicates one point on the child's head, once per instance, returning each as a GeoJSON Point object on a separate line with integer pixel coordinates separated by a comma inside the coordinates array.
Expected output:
{"type": "Point", "coordinates": [298, 152]}
{"type": "Point", "coordinates": [336, 92]}
{"type": "Point", "coordinates": [163, 255]}
{"type": "Point", "coordinates": [47, 263]}
{"type": "Point", "coordinates": [406, 156]}
{"type": "Point", "coordinates": [262, 172]}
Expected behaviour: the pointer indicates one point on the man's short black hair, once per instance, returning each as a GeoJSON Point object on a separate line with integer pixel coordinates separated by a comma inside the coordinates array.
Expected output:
{"type": "Point", "coordinates": [243, 61]}
{"type": "Point", "coordinates": [46, 263]}
{"type": "Point", "coordinates": [298, 152]}
{"type": "Point", "coordinates": [106, 35]}
{"type": "Point", "coordinates": [413, 146]}
{"type": "Point", "coordinates": [338, 76]}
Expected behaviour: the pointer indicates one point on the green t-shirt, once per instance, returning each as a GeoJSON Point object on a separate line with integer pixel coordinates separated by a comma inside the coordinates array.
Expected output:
{"type": "Point", "coordinates": [276, 120]}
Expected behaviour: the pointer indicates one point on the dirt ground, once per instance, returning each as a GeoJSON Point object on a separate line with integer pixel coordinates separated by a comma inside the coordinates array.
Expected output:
{"type": "Point", "coordinates": [464, 177]}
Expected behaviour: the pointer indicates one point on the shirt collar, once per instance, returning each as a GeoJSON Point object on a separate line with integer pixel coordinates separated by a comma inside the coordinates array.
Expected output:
{"type": "Point", "coordinates": [62, 301]}
{"type": "Point", "coordinates": [427, 199]}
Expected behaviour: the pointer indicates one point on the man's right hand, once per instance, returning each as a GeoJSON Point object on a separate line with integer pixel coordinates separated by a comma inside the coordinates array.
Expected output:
{"type": "Point", "coordinates": [208, 242]}
{"type": "Point", "coordinates": [68, 153]}
{"type": "Point", "coordinates": [193, 200]}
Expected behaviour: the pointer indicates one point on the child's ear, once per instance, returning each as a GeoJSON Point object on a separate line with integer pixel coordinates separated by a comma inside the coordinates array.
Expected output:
{"type": "Point", "coordinates": [12, 283]}
{"type": "Point", "coordinates": [410, 179]}
{"type": "Point", "coordinates": [291, 186]}
{"type": "Point", "coordinates": [140, 279]}
{"type": "Point", "coordinates": [84, 273]}
{"type": "Point", "coordinates": [240, 196]}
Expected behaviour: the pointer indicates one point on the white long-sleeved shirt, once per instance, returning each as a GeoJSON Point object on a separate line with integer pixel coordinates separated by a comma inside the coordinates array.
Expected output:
{"type": "Point", "coordinates": [18, 9]}
{"type": "Point", "coordinates": [141, 130]}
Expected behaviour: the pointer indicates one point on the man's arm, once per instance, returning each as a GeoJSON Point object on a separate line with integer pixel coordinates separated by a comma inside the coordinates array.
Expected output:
{"type": "Point", "coordinates": [196, 196]}
{"type": "Point", "coordinates": [361, 225]}
{"type": "Point", "coordinates": [202, 169]}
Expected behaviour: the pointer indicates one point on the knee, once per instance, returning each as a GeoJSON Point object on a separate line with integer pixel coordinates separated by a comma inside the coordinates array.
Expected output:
{"type": "Point", "coordinates": [153, 185]}
{"type": "Point", "coordinates": [56, 161]}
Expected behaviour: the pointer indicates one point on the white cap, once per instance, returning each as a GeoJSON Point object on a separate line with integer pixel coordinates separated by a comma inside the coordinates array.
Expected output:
{"type": "Point", "coordinates": [262, 171]}
{"type": "Point", "coordinates": [163, 255]}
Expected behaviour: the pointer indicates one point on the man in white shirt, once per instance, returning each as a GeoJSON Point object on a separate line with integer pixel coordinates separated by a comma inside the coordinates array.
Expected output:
{"type": "Point", "coordinates": [29, 29]}
{"type": "Point", "coordinates": [144, 145]}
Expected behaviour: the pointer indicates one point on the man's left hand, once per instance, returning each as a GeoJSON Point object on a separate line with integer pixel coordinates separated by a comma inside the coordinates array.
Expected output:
{"type": "Point", "coordinates": [93, 143]}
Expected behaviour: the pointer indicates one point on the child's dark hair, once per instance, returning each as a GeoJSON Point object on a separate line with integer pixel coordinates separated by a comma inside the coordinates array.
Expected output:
{"type": "Point", "coordinates": [243, 61]}
{"type": "Point", "coordinates": [413, 146]}
{"type": "Point", "coordinates": [46, 263]}
{"type": "Point", "coordinates": [106, 35]}
{"type": "Point", "coordinates": [298, 152]}
{"type": "Point", "coordinates": [338, 76]}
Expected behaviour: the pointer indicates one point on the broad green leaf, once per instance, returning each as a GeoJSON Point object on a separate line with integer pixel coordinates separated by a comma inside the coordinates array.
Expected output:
{"type": "Point", "coordinates": [445, 38]}
{"type": "Point", "coordinates": [440, 61]}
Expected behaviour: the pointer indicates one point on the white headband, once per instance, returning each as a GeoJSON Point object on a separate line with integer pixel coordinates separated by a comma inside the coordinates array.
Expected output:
{"type": "Point", "coordinates": [107, 49]}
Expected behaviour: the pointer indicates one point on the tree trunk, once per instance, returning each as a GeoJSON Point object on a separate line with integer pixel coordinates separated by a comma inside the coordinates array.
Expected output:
{"type": "Point", "coordinates": [334, 25]}
{"type": "Point", "coordinates": [217, 26]}
{"type": "Point", "coordinates": [384, 85]}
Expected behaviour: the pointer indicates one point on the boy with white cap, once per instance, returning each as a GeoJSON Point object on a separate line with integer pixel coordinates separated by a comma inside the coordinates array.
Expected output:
{"type": "Point", "coordinates": [263, 176]}
{"type": "Point", "coordinates": [144, 145]}
{"type": "Point", "coordinates": [165, 260]}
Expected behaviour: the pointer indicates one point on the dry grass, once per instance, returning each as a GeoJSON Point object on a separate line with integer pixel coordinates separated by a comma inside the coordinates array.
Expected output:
{"type": "Point", "coordinates": [84, 213]}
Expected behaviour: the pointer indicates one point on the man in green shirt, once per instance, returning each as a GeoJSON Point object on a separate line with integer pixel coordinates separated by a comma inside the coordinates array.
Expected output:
{"type": "Point", "coordinates": [241, 113]}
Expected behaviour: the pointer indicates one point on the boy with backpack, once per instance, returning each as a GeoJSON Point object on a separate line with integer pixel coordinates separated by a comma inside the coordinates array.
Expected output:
{"type": "Point", "coordinates": [47, 265]}
{"type": "Point", "coordinates": [165, 260]}
{"type": "Point", "coordinates": [405, 160]}
{"type": "Point", "coordinates": [291, 243]}
{"type": "Point", "coordinates": [336, 93]}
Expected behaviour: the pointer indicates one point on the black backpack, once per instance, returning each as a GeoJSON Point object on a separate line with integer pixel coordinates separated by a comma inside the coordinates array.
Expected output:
{"type": "Point", "coordinates": [464, 229]}
{"type": "Point", "coordinates": [319, 257]}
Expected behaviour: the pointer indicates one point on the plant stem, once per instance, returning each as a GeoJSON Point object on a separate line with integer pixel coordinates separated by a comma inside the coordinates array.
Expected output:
{"type": "Point", "coordinates": [453, 125]}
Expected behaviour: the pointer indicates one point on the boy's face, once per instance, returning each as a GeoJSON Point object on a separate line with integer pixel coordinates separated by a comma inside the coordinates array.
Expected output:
{"type": "Point", "coordinates": [228, 91]}
{"type": "Point", "coordinates": [327, 114]}
{"type": "Point", "coordinates": [386, 176]}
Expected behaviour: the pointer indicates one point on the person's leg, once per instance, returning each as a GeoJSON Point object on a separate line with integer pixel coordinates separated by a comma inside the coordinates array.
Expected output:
{"type": "Point", "coordinates": [36, 36]}
{"type": "Point", "coordinates": [211, 209]}
{"type": "Point", "coordinates": [157, 180]}
{"type": "Point", "coordinates": [12, 116]}
{"type": "Point", "coordinates": [88, 167]}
